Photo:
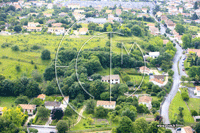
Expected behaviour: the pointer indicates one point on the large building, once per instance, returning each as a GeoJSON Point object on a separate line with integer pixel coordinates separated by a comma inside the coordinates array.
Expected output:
{"type": "Point", "coordinates": [28, 107]}
{"type": "Point", "coordinates": [113, 79]}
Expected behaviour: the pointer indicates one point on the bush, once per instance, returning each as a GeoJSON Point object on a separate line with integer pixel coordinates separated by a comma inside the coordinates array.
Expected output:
{"type": "Point", "coordinates": [18, 68]}
{"type": "Point", "coordinates": [33, 130]}
{"type": "Point", "coordinates": [35, 47]}
{"type": "Point", "coordinates": [194, 113]}
{"type": "Point", "coordinates": [46, 55]}
{"type": "Point", "coordinates": [15, 48]}
{"type": "Point", "coordinates": [35, 119]}
{"type": "Point", "coordinates": [185, 96]}
{"type": "Point", "coordinates": [4, 45]}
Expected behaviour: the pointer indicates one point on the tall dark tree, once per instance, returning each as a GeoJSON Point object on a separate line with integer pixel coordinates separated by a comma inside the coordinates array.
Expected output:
{"type": "Point", "coordinates": [57, 114]}
{"type": "Point", "coordinates": [46, 55]}
{"type": "Point", "coordinates": [196, 5]}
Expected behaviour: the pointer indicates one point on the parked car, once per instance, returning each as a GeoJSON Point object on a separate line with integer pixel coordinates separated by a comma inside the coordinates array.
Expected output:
{"type": "Point", "coordinates": [178, 129]}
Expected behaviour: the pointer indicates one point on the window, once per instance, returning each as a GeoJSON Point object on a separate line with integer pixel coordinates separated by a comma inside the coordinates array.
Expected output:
{"type": "Point", "coordinates": [116, 79]}
{"type": "Point", "coordinates": [108, 80]}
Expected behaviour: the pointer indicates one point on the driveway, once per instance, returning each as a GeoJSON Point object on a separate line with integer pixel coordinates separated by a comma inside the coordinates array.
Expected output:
{"type": "Point", "coordinates": [191, 93]}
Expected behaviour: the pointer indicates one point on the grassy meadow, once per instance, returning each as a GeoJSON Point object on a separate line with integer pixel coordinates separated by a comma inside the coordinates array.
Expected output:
{"type": "Point", "coordinates": [174, 109]}
{"type": "Point", "coordinates": [31, 46]}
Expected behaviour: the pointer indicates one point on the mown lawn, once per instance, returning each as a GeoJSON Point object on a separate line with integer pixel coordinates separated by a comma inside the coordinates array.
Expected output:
{"type": "Point", "coordinates": [7, 101]}
{"type": "Point", "coordinates": [174, 106]}
{"type": "Point", "coordinates": [194, 104]}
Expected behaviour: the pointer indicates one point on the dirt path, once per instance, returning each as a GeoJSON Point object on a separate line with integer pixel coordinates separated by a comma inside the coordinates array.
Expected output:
{"type": "Point", "coordinates": [29, 118]}
{"type": "Point", "coordinates": [80, 115]}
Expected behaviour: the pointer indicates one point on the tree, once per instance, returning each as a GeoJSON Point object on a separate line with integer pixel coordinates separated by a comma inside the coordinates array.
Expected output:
{"type": "Point", "coordinates": [136, 30]}
{"type": "Point", "coordinates": [171, 72]}
{"type": "Point", "coordinates": [57, 114]}
{"type": "Point", "coordinates": [195, 5]}
{"type": "Point", "coordinates": [37, 101]}
{"type": "Point", "coordinates": [153, 127]}
{"type": "Point", "coordinates": [90, 106]}
{"type": "Point", "coordinates": [46, 55]}
{"type": "Point", "coordinates": [92, 26]}
{"type": "Point", "coordinates": [15, 48]}
{"type": "Point", "coordinates": [43, 112]}
{"type": "Point", "coordinates": [130, 114]}
{"type": "Point", "coordinates": [101, 112]}
{"type": "Point", "coordinates": [125, 125]}
{"type": "Point", "coordinates": [96, 88]}
{"type": "Point", "coordinates": [17, 28]}
{"type": "Point", "coordinates": [168, 131]}
{"type": "Point", "coordinates": [37, 76]}
{"type": "Point", "coordinates": [32, 89]}
{"type": "Point", "coordinates": [194, 113]}
{"type": "Point", "coordinates": [62, 126]}
{"type": "Point", "coordinates": [21, 100]}
{"type": "Point", "coordinates": [141, 125]}
{"type": "Point", "coordinates": [180, 29]}
{"type": "Point", "coordinates": [194, 16]}
{"type": "Point", "coordinates": [185, 96]}
{"type": "Point", "coordinates": [186, 39]}
{"type": "Point", "coordinates": [15, 115]}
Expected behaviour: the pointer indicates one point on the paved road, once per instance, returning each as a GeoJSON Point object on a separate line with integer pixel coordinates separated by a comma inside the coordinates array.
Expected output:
{"type": "Point", "coordinates": [176, 77]}
{"type": "Point", "coordinates": [44, 129]}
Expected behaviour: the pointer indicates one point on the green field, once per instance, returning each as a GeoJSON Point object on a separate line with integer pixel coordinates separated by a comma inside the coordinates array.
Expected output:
{"type": "Point", "coordinates": [194, 104]}
{"type": "Point", "coordinates": [173, 109]}
{"type": "Point", "coordinates": [26, 54]}
{"type": "Point", "coordinates": [7, 101]}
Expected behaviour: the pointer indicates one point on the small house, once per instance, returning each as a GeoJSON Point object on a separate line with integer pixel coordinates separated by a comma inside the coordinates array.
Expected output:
{"type": "Point", "coordinates": [32, 24]}
{"type": "Point", "coordinates": [41, 96]}
{"type": "Point", "coordinates": [144, 70]}
{"type": "Point", "coordinates": [106, 104]}
{"type": "Point", "coordinates": [52, 104]}
{"type": "Point", "coordinates": [197, 90]}
{"type": "Point", "coordinates": [146, 100]}
{"type": "Point", "coordinates": [187, 129]}
{"type": "Point", "coordinates": [83, 31]}
{"type": "Point", "coordinates": [113, 79]}
{"type": "Point", "coordinates": [28, 107]}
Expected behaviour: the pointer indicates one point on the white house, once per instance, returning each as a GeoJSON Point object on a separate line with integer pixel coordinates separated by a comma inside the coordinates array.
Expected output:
{"type": "Point", "coordinates": [32, 29]}
{"type": "Point", "coordinates": [146, 100]}
{"type": "Point", "coordinates": [187, 129]}
{"type": "Point", "coordinates": [64, 103]}
{"type": "Point", "coordinates": [32, 24]}
{"type": "Point", "coordinates": [28, 107]}
{"type": "Point", "coordinates": [56, 30]}
{"type": "Point", "coordinates": [113, 79]}
{"type": "Point", "coordinates": [154, 54]}
{"type": "Point", "coordinates": [197, 90]}
{"type": "Point", "coordinates": [50, 6]}
{"type": "Point", "coordinates": [52, 104]}
{"type": "Point", "coordinates": [106, 104]}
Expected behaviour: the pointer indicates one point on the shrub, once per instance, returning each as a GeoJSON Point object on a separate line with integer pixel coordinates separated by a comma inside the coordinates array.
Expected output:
{"type": "Point", "coordinates": [15, 48]}
{"type": "Point", "coordinates": [185, 96]}
{"type": "Point", "coordinates": [4, 45]}
{"type": "Point", "coordinates": [35, 47]}
{"type": "Point", "coordinates": [18, 68]}
{"type": "Point", "coordinates": [194, 113]}
{"type": "Point", "coordinates": [46, 55]}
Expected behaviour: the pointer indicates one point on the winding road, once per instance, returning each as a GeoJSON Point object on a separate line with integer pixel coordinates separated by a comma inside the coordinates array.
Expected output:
{"type": "Point", "coordinates": [176, 77]}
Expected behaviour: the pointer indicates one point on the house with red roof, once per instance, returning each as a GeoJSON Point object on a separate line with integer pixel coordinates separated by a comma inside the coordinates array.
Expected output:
{"type": "Point", "coordinates": [106, 104]}
{"type": "Point", "coordinates": [197, 90]}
